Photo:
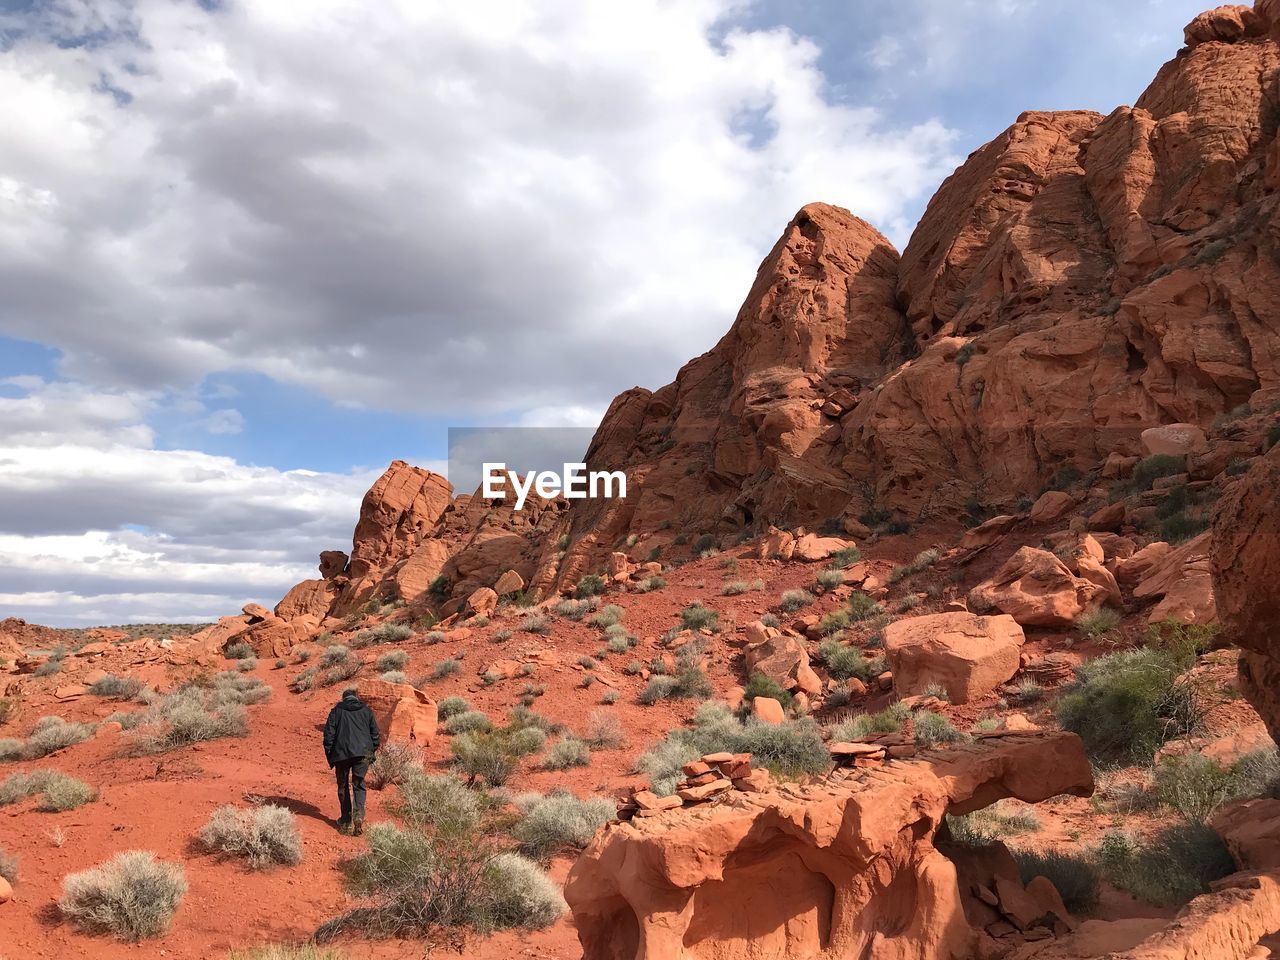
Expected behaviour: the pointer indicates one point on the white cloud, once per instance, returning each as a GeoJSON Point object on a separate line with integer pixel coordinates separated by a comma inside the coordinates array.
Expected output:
{"type": "Point", "coordinates": [430, 207]}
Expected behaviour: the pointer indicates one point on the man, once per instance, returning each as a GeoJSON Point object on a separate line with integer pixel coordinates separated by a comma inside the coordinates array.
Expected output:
{"type": "Point", "coordinates": [350, 741]}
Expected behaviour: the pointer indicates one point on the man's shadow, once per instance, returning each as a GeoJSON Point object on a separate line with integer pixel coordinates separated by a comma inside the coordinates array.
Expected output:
{"type": "Point", "coordinates": [299, 808]}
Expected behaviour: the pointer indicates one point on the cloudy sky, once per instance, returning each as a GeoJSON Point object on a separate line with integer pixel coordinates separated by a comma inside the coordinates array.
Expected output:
{"type": "Point", "coordinates": [251, 251]}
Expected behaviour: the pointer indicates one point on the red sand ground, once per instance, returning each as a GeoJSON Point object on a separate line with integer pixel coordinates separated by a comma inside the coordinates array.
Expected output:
{"type": "Point", "coordinates": [160, 803]}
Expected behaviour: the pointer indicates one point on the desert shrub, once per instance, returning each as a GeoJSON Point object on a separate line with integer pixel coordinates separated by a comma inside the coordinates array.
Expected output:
{"type": "Point", "coordinates": [227, 688]}
{"type": "Point", "coordinates": [1171, 868]}
{"type": "Point", "coordinates": [793, 600]}
{"type": "Point", "coordinates": [338, 673]}
{"type": "Point", "coordinates": [238, 651]}
{"type": "Point", "coordinates": [863, 607]}
{"type": "Point", "coordinates": [190, 715]}
{"type": "Point", "coordinates": [265, 835]}
{"type": "Point", "coordinates": [834, 622]}
{"type": "Point", "coordinates": [395, 761]}
{"type": "Point", "coordinates": [759, 685]}
{"type": "Point", "coordinates": [922, 561]}
{"type": "Point", "coordinates": [434, 637]}
{"type": "Point", "coordinates": [116, 688]}
{"type": "Point", "coordinates": [58, 791]}
{"type": "Point", "coordinates": [1194, 786]}
{"type": "Point", "coordinates": [589, 586]}
{"type": "Point", "coordinates": [283, 951]}
{"type": "Point", "coordinates": [932, 729]}
{"type": "Point", "coordinates": [660, 687]}
{"type": "Point", "coordinates": [394, 676]}
{"type": "Point", "coordinates": [1098, 623]}
{"type": "Point", "coordinates": [417, 880]}
{"type": "Point", "coordinates": [649, 584]}
{"type": "Point", "coordinates": [451, 706]}
{"type": "Point", "coordinates": [1126, 705]}
{"type": "Point", "coordinates": [334, 655]}
{"type": "Point", "coordinates": [133, 896]}
{"type": "Point", "coordinates": [608, 615]}
{"type": "Point", "coordinates": [829, 579]}
{"type": "Point", "coordinates": [634, 667]}
{"type": "Point", "coordinates": [444, 803]}
{"type": "Point", "coordinates": [560, 821]}
{"type": "Point", "coordinates": [788, 749]}
{"type": "Point", "coordinates": [50, 668]}
{"type": "Point", "coordinates": [305, 680]}
{"type": "Point", "coordinates": [382, 633]}
{"type": "Point", "coordinates": [769, 620]}
{"type": "Point", "coordinates": [501, 636]}
{"type": "Point", "coordinates": [845, 558]}
{"type": "Point", "coordinates": [534, 624]}
{"type": "Point", "coordinates": [1028, 690]}
{"type": "Point", "coordinates": [467, 722]}
{"type": "Point", "coordinates": [493, 755]}
{"type": "Point", "coordinates": [1076, 877]}
{"type": "Point", "coordinates": [889, 720]}
{"type": "Point", "coordinates": [604, 731]}
{"type": "Point", "coordinates": [445, 668]}
{"type": "Point", "coordinates": [572, 609]}
{"type": "Point", "coordinates": [843, 662]}
{"type": "Point", "coordinates": [1258, 774]}
{"type": "Point", "coordinates": [392, 660]}
{"type": "Point", "coordinates": [610, 697]}
{"type": "Point", "coordinates": [617, 645]}
{"type": "Point", "coordinates": [697, 617]}
{"type": "Point", "coordinates": [734, 587]}
{"type": "Point", "coordinates": [566, 752]}
{"type": "Point", "coordinates": [1152, 468]}
{"type": "Point", "coordinates": [49, 735]}
{"type": "Point", "coordinates": [992, 823]}
{"type": "Point", "coordinates": [247, 665]}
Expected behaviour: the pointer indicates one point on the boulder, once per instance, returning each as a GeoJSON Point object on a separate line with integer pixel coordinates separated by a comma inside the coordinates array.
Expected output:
{"type": "Point", "coordinates": [1225, 24]}
{"type": "Point", "coordinates": [310, 598]}
{"type": "Point", "coordinates": [813, 547]}
{"type": "Point", "coordinates": [1052, 505]}
{"type": "Point", "coordinates": [1183, 579]}
{"type": "Point", "coordinates": [767, 710]}
{"type": "Point", "coordinates": [333, 563]}
{"type": "Point", "coordinates": [255, 611]}
{"type": "Point", "coordinates": [966, 654]}
{"type": "Point", "coordinates": [509, 582]}
{"type": "Point", "coordinates": [483, 602]}
{"type": "Point", "coordinates": [781, 657]}
{"type": "Point", "coordinates": [1174, 439]}
{"type": "Point", "coordinates": [6, 891]}
{"type": "Point", "coordinates": [1036, 589]}
{"type": "Point", "coordinates": [1251, 829]}
{"type": "Point", "coordinates": [857, 855]}
{"type": "Point", "coordinates": [403, 713]}
{"type": "Point", "coordinates": [1245, 566]}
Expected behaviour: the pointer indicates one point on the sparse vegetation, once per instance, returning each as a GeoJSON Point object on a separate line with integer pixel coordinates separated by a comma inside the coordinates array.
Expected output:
{"type": "Point", "coordinates": [793, 600]}
{"type": "Point", "coordinates": [445, 668]}
{"type": "Point", "coordinates": [697, 617]}
{"type": "Point", "coordinates": [451, 706]}
{"type": "Point", "coordinates": [788, 749]}
{"type": "Point", "coordinates": [1169, 869]}
{"type": "Point", "coordinates": [845, 557]}
{"type": "Point", "coordinates": [604, 731]}
{"type": "Point", "coordinates": [382, 633]}
{"type": "Point", "coordinates": [467, 722]}
{"type": "Point", "coordinates": [932, 729]}
{"type": "Point", "coordinates": [828, 579]}
{"type": "Point", "coordinates": [758, 685]}
{"type": "Point", "coordinates": [133, 896]}
{"type": "Point", "coordinates": [1126, 705]}
{"type": "Point", "coordinates": [559, 821]}
{"type": "Point", "coordinates": [922, 561]}
{"type": "Point", "coordinates": [1076, 877]}
{"type": "Point", "coordinates": [58, 792]}
{"type": "Point", "coordinates": [1099, 623]}
{"type": "Point", "coordinates": [395, 761]}
{"type": "Point", "coordinates": [264, 836]}
{"type": "Point", "coordinates": [116, 688]}
{"type": "Point", "coordinates": [1152, 468]}
{"type": "Point", "coordinates": [609, 615]}
{"type": "Point", "coordinates": [889, 720]}
{"type": "Point", "coordinates": [589, 586]}
{"type": "Point", "coordinates": [535, 624]}
{"type": "Point", "coordinates": [843, 662]}
{"type": "Point", "coordinates": [49, 735]}
{"type": "Point", "coordinates": [392, 660]}
{"type": "Point", "coordinates": [999, 820]}
{"type": "Point", "coordinates": [565, 753]}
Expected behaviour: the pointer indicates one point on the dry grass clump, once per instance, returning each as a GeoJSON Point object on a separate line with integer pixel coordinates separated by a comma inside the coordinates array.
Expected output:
{"type": "Point", "coordinates": [559, 821]}
{"type": "Point", "coordinates": [58, 792]}
{"type": "Point", "coordinates": [132, 896]}
{"type": "Point", "coordinates": [604, 731]}
{"type": "Point", "coordinates": [565, 753]}
{"type": "Point", "coordinates": [394, 763]}
{"type": "Point", "coordinates": [193, 714]}
{"type": "Point", "coordinates": [49, 735]}
{"type": "Point", "coordinates": [265, 835]}
{"type": "Point", "coordinates": [283, 951]}
{"type": "Point", "coordinates": [116, 688]}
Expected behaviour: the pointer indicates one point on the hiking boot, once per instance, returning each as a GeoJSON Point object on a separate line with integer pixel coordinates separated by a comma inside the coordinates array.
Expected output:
{"type": "Point", "coordinates": [344, 827]}
{"type": "Point", "coordinates": [357, 828]}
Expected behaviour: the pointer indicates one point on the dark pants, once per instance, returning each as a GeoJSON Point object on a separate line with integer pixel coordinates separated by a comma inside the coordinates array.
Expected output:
{"type": "Point", "coordinates": [351, 775]}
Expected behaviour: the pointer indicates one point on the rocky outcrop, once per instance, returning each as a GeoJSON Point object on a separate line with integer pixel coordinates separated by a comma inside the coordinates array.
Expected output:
{"type": "Point", "coordinates": [862, 874]}
{"type": "Point", "coordinates": [1246, 570]}
{"type": "Point", "coordinates": [403, 712]}
{"type": "Point", "coordinates": [967, 655]}
{"type": "Point", "coordinates": [1037, 589]}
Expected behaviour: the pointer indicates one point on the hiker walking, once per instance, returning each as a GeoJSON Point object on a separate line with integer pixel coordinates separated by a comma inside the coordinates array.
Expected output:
{"type": "Point", "coordinates": [350, 741]}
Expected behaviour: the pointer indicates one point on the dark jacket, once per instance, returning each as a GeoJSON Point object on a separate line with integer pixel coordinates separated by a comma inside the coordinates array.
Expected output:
{"type": "Point", "coordinates": [350, 731]}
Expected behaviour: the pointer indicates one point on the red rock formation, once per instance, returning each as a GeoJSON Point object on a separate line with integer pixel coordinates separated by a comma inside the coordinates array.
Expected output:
{"type": "Point", "coordinates": [1246, 571]}
{"type": "Point", "coordinates": [846, 867]}
{"type": "Point", "coordinates": [967, 655]}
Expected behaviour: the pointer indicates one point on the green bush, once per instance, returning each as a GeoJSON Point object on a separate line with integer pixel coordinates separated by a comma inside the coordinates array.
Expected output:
{"type": "Point", "coordinates": [565, 753]}
{"type": "Point", "coordinates": [559, 821]}
{"type": "Point", "coordinates": [758, 685]}
{"type": "Point", "coordinates": [493, 755]}
{"type": "Point", "coordinates": [922, 561]}
{"type": "Point", "coordinates": [1171, 868]}
{"type": "Point", "coordinates": [889, 720]}
{"type": "Point", "coordinates": [451, 706]}
{"type": "Point", "coordinates": [788, 749]}
{"type": "Point", "coordinates": [1098, 623]}
{"type": "Point", "coordinates": [382, 633]}
{"type": "Point", "coordinates": [589, 586]}
{"type": "Point", "coordinates": [133, 896]}
{"type": "Point", "coordinates": [1076, 877]}
{"type": "Point", "coordinates": [1126, 705]}
{"type": "Point", "coordinates": [1152, 468]}
{"type": "Point", "coordinates": [443, 803]}
{"type": "Point", "coordinates": [845, 558]}
{"type": "Point", "coordinates": [116, 688]}
{"type": "Point", "coordinates": [932, 729]}
{"type": "Point", "coordinates": [793, 600]}
{"type": "Point", "coordinates": [992, 823]}
{"type": "Point", "coordinates": [863, 607]}
{"type": "Point", "coordinates": [697, 617]}
{"type": "Point", "coordinates": [843, 662]}
{"type": "Point", "coordinates": [265, 835]}
{"type": "Point", "coordinates": [392, 660]}
{"type": "Point", "coordinates": [609, 615]}
{"type": "Point", "coordinates": [1196, 786]}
